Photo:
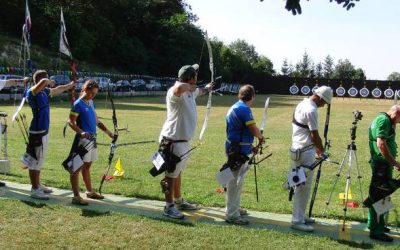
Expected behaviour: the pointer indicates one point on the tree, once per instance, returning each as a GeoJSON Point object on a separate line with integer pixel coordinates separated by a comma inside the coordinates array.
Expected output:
{"type": "Point", "coordinates": [264, 65]}
{"type": "Point", "coordinates": [394, 76]}
{"type": "Point", "coordinates": [285, 70]}
{"type": "Point", "coordinates": [319, 70]}
{"type": "Point", "coordinates": [295, 8]}
{"type": "Point", "coordinates": [328, 66]}
{"type": "Point", "coordinates": [344, 70]}
{"type": "Point", "coordinates": [248, 51]}
{"type": "Point", "coordinates": [359, 74]}
{"type": "Point", "coordinates": [304, 66]}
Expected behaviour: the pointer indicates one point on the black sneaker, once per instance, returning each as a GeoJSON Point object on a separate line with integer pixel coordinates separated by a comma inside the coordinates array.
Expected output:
{"type": "Point", "coordinates": [2, 184]}
{"type": "Point", "coordinates": [381, 237]}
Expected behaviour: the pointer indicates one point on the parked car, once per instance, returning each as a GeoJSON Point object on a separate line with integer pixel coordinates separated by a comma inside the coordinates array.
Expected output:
{"type": "Point", "coordinates": [104, 82]}
{"type": "Point", "coordinates": [60, 79]}
{"type": "Point", "coordinates": [153, 85]}
{"type": "Point", "coordinates": [13, 89]}
{"type": "Point", "coordinates": [139, 85]}
{"type": "Point", "coordinates": [123, 85]}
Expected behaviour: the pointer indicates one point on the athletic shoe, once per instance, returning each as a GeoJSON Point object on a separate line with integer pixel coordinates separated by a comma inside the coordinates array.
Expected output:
{"type": "Point", "coordinates": [302, 227]}
{"type": "Point", "coordinates": [46, 190]}
{"type": "Point", "coordinates": [184, 205]}
{"type": "Point", "coordinates": [39, 194]}
{"type": "Point", "coordinates": [238, 221]}
{"type": "Point", "coordinates": [310, 220]}
{"type": "Point", "coordinates": [2, 184]}
{"type": "Point", "coordinates": [79, 201]}
{"type": "Point", "coordinates": [381, 237]}
{"type": "Point", "coordinates": [94, 196]}
{"type": "Point", "coordinates": [243, 212]}
{"type": "Point", "coordinates": [172, 212]}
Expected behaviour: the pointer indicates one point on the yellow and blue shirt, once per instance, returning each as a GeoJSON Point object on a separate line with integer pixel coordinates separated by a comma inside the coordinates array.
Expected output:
{"type": "Point", "coordinates": [39, 103]}
{"type": "Point", "coordinates": [86, 115]}
{"type": "Point", "coordinates": [238, 118]}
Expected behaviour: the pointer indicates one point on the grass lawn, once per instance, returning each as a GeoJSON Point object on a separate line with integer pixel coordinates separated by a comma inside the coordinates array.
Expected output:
{"type": "Point", "coordinates": [25, 225]}
{"type": "Point", "coordinates": [145, 116]}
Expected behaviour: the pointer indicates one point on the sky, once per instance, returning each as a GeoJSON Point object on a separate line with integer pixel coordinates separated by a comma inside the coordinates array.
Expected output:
{"type": "Point", "coordinates": [368, 34]}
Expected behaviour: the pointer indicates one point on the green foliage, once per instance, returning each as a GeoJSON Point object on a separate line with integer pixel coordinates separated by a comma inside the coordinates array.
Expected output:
{"type": "Point", "coordinates": [394, 76]}
{"type": "Point", "coordinates": [154, 37]}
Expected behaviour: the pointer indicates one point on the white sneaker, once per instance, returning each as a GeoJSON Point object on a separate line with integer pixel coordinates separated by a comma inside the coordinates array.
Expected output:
{"type": "Point", "coordinates": [172, 212]}
{"type": "Point", "coordinates": [302, 227]}
{"type": "Point", "coordinates": [46, 190]}
{"type": "Point", "coordinates": [39, 194]}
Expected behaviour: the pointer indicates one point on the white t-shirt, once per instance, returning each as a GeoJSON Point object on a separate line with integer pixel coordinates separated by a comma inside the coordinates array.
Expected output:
{"type": "Point", "coordinates": [305, 113]}
{"type": "Point", "coordinates": [181, 115]}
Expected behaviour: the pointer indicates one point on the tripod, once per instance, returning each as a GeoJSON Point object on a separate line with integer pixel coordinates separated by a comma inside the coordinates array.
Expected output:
{"type": "Point", "coordinates": [349, 156]}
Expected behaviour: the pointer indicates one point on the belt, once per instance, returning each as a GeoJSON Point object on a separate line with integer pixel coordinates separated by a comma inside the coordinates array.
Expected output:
{"type": "Point", "coordinates": [306, 148]}
{"type": "Point", "coordinates": [240, 143]}
{"type": "Point", "coordinates": [174, 141]}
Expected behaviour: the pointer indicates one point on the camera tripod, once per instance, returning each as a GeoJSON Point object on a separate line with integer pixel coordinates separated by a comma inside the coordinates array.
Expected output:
{"type": "Point", "coordinates": [350, 156]}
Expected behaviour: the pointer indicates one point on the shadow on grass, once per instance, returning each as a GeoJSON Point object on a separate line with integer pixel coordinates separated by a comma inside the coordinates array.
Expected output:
{"type": "Point", "coordinates": [34, 204]}
{"type": "Point", "coordinates": [361, 245]}
{"type": "Point", "coordinates": [93, 213]}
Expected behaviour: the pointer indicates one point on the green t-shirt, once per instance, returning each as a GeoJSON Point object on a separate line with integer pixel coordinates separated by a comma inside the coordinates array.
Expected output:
{"type": "Point", "coordinates": [382, 127]}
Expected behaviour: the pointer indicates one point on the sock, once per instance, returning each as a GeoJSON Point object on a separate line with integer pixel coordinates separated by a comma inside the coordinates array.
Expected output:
{"type": "Point", "coordinates": [178, 200]}
{"type": "Point", "coordinates": [168, 204]}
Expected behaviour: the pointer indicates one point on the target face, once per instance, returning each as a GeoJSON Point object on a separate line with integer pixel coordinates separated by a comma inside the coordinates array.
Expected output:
{"type": "Point", "coordinates": [364, 92]}
{"type": "Point", "coordinates": [352, 92]}
{"type": "Point", "coordinates": [340, 91]}
{"type": "Point", "coordinates": [305, 90]}
{"type": "Point", "coordinates": [294, 90]}
{"type": "Point", "coordinates": [376, 92]}
{"type": "Point", "coordinates": [389, 93]}
{"type": "Point", "coordinates": [314, 88]}
{"type": "Point", "coordinates": [397, 93]}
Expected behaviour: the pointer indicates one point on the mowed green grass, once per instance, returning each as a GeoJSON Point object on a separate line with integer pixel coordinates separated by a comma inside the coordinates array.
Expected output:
{"type": "Point", "coordinates": [145, 116]}
{"type": "Point", "coordinates": [26, 225]}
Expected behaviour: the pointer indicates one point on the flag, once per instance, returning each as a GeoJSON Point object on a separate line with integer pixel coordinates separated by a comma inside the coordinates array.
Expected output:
{"type": "Point", "coordinates": [64, 47]}
{"type": "Point", "coordinates": [26, 28]}
{"type": "Point", "coordinates": [119, 171]}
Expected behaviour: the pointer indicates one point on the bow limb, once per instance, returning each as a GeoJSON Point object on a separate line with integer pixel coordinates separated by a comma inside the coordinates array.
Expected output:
{"type": "Point", "coordinates": [326, 147]}
{"type": "Point", "coordinates": [113, 145]}
{"type": "Point", "coordinates": [264, 119]}
{"type": "Point", "coordinates": [326, 128]}
{"type": "Point", "coordinates": [208, 111]}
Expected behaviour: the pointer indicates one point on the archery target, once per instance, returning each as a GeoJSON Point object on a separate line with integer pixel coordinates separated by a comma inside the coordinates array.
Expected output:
{"type": "Point", "coordinates": [397, 93]}
{"type": "Point", "coordinates": [314, 88]}
{"type": "Point", "coordinates": [340, 91]}
{"type": "Point", "coordinates": [294, 89]}
{"type": "Point", "coordinates": [364, 92]}
{"type": "Point", "coordinates": [376, 92]}
{"type": "Point", "coordinates": [305, 90]}
{"type": "Point", "coordinates": [352, 92]}
{"type": "Point", "coordinates": [389, 93]}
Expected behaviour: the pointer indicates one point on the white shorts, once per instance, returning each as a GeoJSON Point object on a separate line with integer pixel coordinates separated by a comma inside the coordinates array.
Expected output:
{"type": "Point", "coordinates": [40, 155]}
{"type": "Point", "coordinates": [92, 154]}
{"type": "Point", "coordinates": [179, 149]}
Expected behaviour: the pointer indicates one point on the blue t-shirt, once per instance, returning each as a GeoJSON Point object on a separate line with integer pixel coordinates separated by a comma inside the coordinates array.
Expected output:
{"type": "Point", "coordinates": [86, 115]}
{"type": "Point", "coordinates": [39, 103]}
{"type": "Point", "coordinates": [238, 119]}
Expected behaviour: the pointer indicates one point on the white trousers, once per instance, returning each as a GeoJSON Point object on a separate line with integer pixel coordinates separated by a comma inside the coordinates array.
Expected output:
{"type": "Point", "coordinates": [302, 192]}
{"type": "Point", "coordinates": [232, 196]}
